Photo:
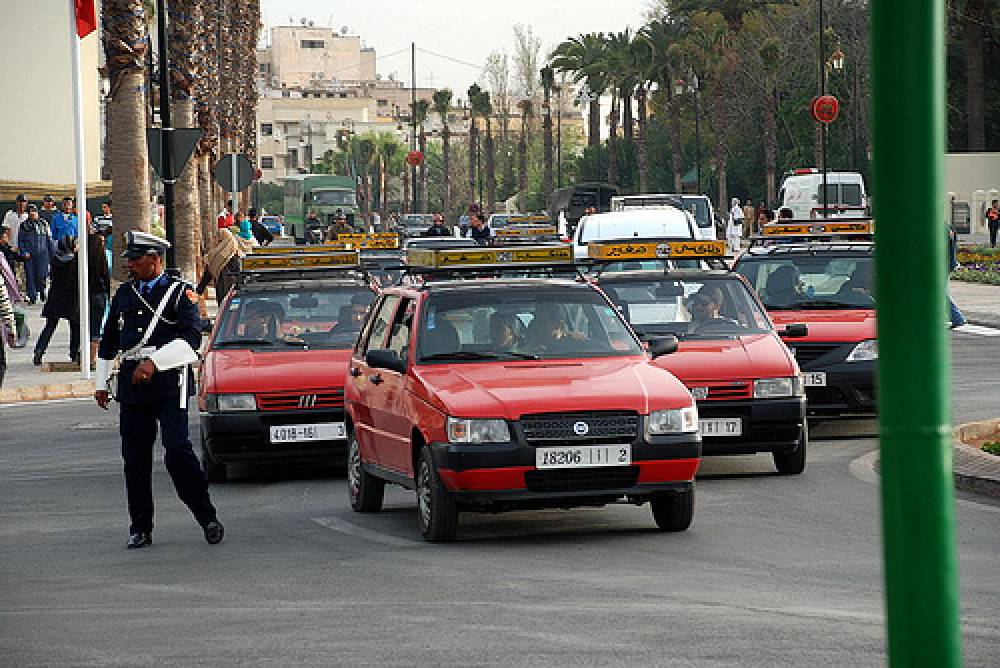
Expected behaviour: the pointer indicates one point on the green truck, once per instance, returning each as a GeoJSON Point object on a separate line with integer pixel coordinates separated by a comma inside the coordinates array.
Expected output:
{"type": "Point", "coordinates": [322, 194]}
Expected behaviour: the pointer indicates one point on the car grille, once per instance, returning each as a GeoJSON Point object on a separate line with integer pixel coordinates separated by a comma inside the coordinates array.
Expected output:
{"type": "Point", "coordinates": [807, 353]}
{"type": "Point", "coordinates": [602, 427]}
{"type": "Point", "coordinates": [582, 480]}
{"type": "Point", "coordinates": [300, 400]}
{"type": "Point", "coordinates": [723, 392]}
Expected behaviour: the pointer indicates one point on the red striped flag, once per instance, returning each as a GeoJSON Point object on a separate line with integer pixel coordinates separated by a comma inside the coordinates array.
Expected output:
{"type": "Point", "coordinates": [86, 17]}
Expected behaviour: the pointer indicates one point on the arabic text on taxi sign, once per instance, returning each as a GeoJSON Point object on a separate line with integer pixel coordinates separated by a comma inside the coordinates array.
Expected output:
{"type": "Point", "coordinates": [367, 241]}
{"type": "Point", "coordinates": [484, 257]}
{"type": "Point", "coordinates": [299, 261]}
{"type": "Point", "coordinates": [652, 250]}
{"type": "Point", "coordinates": [778, 230]}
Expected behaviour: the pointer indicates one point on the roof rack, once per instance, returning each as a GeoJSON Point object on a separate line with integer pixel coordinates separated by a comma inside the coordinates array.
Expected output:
{"type": "Point", "coordinates": [474, 257]}
{"type": "Point", "coordinates": [373, 241]}
{"type": "Point", "coordinates": [527, 232]}
{"type": "Point", "coordinates": [303, 261]}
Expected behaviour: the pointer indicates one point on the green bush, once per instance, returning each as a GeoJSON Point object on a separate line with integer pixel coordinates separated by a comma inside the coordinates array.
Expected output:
{"type": "Point", "coordinates": [993, 448]}
{"type": "Point", "coordinates": [976, 275]}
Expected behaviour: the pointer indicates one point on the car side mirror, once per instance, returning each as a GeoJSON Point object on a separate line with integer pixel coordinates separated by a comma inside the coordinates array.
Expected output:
{"type": "Point", "coordinates": [662, 345]}
{"type": "Point", "coordinates": [795, 331]}
{"type": "Point", "coordinates": [206, 325]}
{"type": "Point", "coordinates": [385, 359]}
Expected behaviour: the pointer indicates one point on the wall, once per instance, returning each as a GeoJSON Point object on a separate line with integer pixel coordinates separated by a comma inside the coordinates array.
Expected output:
{"type": "Point", "coordinates": [972, 178]}
{"type": "Point", "coordinates": [36, 119]}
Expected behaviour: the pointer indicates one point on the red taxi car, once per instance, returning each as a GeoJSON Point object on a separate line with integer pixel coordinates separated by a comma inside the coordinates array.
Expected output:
{"type": "Point", "coordinates": [747, 385]}
{"type": "Point", "coordinates": [501, 393]}
{"type": "Point", "coordinates": [820, 274]}
{"type": "Point", "coordinates": [272, 378]}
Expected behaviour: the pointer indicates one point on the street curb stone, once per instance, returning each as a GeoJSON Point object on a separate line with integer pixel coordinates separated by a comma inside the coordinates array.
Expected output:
{"type": "Point", "coordinates": [975, 470]}
{"type": "Point", "coordinates": [76, 390]}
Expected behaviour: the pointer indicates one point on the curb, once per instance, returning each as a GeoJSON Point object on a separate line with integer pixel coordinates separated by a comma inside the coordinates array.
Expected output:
{"type": "Point", "coordinates": [77, 390]}
{"type": "Point", "coordinates": [976, 464]}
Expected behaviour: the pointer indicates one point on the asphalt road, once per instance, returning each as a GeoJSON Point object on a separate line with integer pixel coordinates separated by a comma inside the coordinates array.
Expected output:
{"type": "Point", "coordinates": [774, 571]}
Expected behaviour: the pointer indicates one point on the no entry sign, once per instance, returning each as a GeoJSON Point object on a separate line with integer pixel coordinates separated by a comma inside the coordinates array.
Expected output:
{"type": "Point", "coordinates": [825, 108]}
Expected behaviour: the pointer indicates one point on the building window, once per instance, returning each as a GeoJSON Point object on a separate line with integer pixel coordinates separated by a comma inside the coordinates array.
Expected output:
{"type": "Point", "coordinates": [343, 95]}
{"type": "Point", "coordinates": [267, 162]}
{"type": "Point", "coordinates": [313, 44]}
{"type": "Point", "coordinates": [293, 158]}
{"type": "Point", "coordinates": [266, 129]}
{"type": "Point", "coordinates": [382, 103]}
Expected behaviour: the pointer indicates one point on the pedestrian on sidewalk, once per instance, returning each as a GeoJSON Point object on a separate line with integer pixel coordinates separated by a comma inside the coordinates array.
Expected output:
{"type": "Point", "coordinates": [993, 220]}
{"type": "Point", "coordinates": [225, 219]}
{"type": "Point", "coordinates": [13, 257]}
{"type": "Point", "coordinates": [8, 329]}
{"type": "Point", "coordinates": [99, 288]}
{"type": "Point", "coordinates": [734, 232]}
{"type": "Point", "coordinates": [49, 210]}
{"type": "Point", "coordinates": [148, 314]}
{"type": "Point", "coordinates": [956, 317]}
{"type": "Point", "coordinates": [263, 235]}
{"type": "Point", "coordinates": [13, 218]}
{"type": "Point", "coordinates": [222, 263]}
{"type": "Point", "coordinates": [63, 302]}
{"type": "Point", "coordinates": [37, 244]}
{"type": "Point", "coordinates": [9, 281]}
{"type": "Point", "coordinates": [64, 223]}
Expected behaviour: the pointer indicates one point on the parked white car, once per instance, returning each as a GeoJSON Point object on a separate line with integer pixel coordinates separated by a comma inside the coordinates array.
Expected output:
{"type": "Point", "coordinates": [665, 222]}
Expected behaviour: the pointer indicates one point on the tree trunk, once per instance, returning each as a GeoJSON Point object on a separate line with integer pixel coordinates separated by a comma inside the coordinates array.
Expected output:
{"type": "Point", "coordinates": [676, 146]}
{"type": "Point", "coordinates": [206, 210]}
{"type": "Point", "coordinates": [130, 182]}
{"type": "Point", "coordinates": [446, 151]}
{"type": "Point", "coordinates": [770, 143]}
{"type": "Point", "coordinates": [613, 142]}
{"type": "Point", "coordinates": [641, 157]}
{"type": "Point", "coordinates": [547, 178]}
{"type": "Point", "coordinates": [187, 230]}
{"type": "Point", "coordinates": [974, 18]}
{"type": "Point", "coordinates": [818, 144]}
{"type": "Point", "coordinates": [422, 142]}
{"type": "Point", "coordinates": [491, 174]}
{"type": "Point", "coordinates": [719, 121]}
{"type": "Point", "coordinates": [406, 190]}
{"type": "Point", "coordinates": [594, 119]}
{"type": "Point", "coordinates": [473, 140]}
{"type": "Point", "coordinates": [627, 124]}
{"type": "Point", "coordinates": [522, 166]}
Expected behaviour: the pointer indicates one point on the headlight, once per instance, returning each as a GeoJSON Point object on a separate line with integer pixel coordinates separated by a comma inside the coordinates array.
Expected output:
{"type": "Point", "coordinates": [778, 388]}
{"type": "Point", "coordinates": [231, 402]}
{"type": "Point", "coordinates": [866, 351]}
{"type": "Point", "coordinates": [674, 421]}
{"type": "Point", "coordinates": [463, 430]}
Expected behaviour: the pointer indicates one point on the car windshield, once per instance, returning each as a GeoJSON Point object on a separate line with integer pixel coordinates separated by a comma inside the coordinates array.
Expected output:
{"type": "Point", "coordinates": [273, 320]}
{"type": "Point", "coordinates": [712, 308]}
{"type": "Point", "coordinates": [812, 281]}
{"type": "Point", "coordinates": [698, 207]}
{"type": "Point", "coordinates": [651, 265]}
{"type": "Point", "coordinates": [522, 323]}
{"type": "Point", "coordinates": [333, 198]}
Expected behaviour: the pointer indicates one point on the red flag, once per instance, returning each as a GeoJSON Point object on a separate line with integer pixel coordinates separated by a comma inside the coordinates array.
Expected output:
{"type": "Point", "coordinates": [86, 17]}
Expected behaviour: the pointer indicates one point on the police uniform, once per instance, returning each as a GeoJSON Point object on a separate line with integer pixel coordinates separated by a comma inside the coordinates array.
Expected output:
{"type": "Point", "coordinates": [131, 314]}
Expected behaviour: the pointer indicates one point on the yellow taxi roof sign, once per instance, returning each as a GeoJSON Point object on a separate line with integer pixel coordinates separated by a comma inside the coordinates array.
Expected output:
{"type": "Point", "coordinates": [300, 250]}
{"type": "Point", "coordinates": [328, 260]}
{"type": "Point", "coordinates": [655, 249]}
{"type": "Point", "coordinates": [370, 241]}
{"type": "Point", "coordinates": [526, 231]}
{"type": "Point", "coordinates": [485, 257]}
{"type": "Point", "coordinates": [536, 218]}
{"type": "Point", "coordinates": [825, 228]}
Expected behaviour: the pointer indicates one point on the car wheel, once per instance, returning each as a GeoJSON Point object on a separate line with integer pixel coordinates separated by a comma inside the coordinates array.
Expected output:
{"type": "Point", "coordinates": [366, 491]}
{"type": "Point", "coordinates": [215, 470]}
{"type": "Point", "coordinates": [793, 462]}
{"type": "Point", "coordinates": [437, 513]}
{"type": "Point", "coordinates": [674, 511]}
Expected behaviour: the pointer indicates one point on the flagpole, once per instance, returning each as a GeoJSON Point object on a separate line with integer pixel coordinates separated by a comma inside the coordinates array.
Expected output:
{"type": "Point", "coordinates": [82, 230]}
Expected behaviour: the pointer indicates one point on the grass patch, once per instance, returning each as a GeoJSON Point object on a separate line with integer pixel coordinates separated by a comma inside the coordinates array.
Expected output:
{"type": "Point", "coordinates": [992, 447]}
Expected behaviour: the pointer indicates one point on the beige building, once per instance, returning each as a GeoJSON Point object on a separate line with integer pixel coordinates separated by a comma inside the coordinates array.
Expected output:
{"type": "Point", "coordinates": [300, 57]}
{"type": "Point", "coordinates": [36, 118]}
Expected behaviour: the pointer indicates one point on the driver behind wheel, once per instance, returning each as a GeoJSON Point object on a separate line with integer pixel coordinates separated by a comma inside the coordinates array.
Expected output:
{"type": "Point", "coordinates": [706, 306]}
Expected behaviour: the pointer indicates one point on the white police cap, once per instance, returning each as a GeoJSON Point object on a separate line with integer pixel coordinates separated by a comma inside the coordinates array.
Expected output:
{"type": "Point", "coordinates": [138, 244]}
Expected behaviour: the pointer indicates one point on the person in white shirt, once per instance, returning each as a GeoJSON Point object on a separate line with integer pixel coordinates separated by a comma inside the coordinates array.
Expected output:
{"type": "Point", "coordinates": [735, 230]}
{"type": "Point", "coordinates": [13, 219]}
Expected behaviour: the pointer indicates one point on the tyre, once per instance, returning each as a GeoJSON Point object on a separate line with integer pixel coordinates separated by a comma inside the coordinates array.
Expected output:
{"type": "Point", "coordinates": [673, 511]}
{"type": "Point", "coordinates": [793, 462]}
{"type": "Point", "coordinates": [437, 513]}
{"type": "Point", "coordinates": [365, 490]}
{"type": "Point", "coordinates": [215, 470]}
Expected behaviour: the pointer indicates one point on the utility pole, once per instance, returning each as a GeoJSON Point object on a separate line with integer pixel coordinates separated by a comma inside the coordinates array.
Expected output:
{"type": "Point", "coordinates": [822, 91]}
{"type": "Point", "coordinates": [413, 118]}
{"type": "Point", "coordinates": [165, 135]}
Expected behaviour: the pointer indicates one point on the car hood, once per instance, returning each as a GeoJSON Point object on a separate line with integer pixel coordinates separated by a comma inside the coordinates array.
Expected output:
{"type": "Point", "coordinates": [237, 371]}
{"type": "Point", "coordinates": [512, 389]}
{"type": "Point", "coordinates": [846, 326]}
{"type": "Point", "coordinates": [746, 358]}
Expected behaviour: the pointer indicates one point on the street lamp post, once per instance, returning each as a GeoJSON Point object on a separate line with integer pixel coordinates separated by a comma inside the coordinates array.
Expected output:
{"type": "Point", "coordinates": [694, 87]}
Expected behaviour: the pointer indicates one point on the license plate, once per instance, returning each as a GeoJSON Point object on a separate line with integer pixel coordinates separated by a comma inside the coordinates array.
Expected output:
{"type": "Point", "coordinates": [583, 456]}
{"type": "Point", "coordinates": [294, 433]}
{"type": "Point", "coordinates": [814, 378]}
{"type": "Point", "coordinates": [721, 427]}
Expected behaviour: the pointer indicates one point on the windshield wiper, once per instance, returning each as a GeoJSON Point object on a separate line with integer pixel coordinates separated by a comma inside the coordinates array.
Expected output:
{"type": "Point", "coordinates": [245, 342]}
{"type": "Point", "coordinates": [459, 355]}
{"type": "Point", "coordinates": [830, 303]}
{"type": "Point", "coordinates": [523, 356]}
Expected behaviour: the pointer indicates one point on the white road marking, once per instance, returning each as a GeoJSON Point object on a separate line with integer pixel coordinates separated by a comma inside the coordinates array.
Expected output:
{"type": "Point", "coordinates": [368, 534]}
{"type": "Point", "coordinates": [978, 330]}
{"type": "Point", "coordinates": [44, 402]}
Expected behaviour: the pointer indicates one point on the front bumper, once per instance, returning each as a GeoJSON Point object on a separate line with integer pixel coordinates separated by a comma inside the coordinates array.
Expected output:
{"type": "Point", "coordinates": [503, 476]}
{"type": "Point", "coordinates": [769, 425]}
{"type": "Point", "coordinates": [849, 390]}
{"type": "Point", "coordinates": [246, 436]}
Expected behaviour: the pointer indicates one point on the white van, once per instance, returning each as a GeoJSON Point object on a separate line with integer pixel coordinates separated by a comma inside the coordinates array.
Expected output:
{"type": "Point", "coordinates": [699, 206]}
{"type": "Point", "coordinates": [801, 191]}
{"type": "Point", "coordinates": [668, 222]}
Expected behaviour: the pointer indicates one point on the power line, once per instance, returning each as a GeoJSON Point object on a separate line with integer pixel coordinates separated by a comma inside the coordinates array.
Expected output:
{"type": "Point", "coordinates": [451, 59]}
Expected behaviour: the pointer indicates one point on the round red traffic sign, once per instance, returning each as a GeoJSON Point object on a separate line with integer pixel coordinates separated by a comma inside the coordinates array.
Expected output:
{"type": "Point", "coordinates": [414, 158]}
{"type": "Point", "coordinates": [825, 108]}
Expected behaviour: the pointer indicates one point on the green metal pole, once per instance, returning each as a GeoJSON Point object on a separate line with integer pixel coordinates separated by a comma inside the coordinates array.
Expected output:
{"type": "Point", "coordinates": [918, 521]}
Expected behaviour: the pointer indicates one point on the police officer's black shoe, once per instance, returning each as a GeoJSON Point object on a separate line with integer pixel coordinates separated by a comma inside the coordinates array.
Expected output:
{"type": "Point", "coordinates": [139, 539]}
{"type": "Point", "coordinates": [214, 531]}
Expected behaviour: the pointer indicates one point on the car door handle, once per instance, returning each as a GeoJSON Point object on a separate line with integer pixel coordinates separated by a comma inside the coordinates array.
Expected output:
{"type": "Point", "coordinates": [355, 372]}
{"type": "Point", "coordinates": [376, 379]}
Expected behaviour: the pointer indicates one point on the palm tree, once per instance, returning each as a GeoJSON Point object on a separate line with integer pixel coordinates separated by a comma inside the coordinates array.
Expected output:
{"type": "Point", "coordinates": [771, 56]}
{"type": "Point", "coordinates": [474, 93]}
{"type": "Point", "coordinates": [389, 152]}
{"type": "Point", "coordinates": [583, 57]}
{"type": "Point", "coordinates": [527, 111]}
{"type": "Point", "coordinates": [484, 108]}
{"type": "Point", "coordinates": [125, 45]}
{"type": "Point", "coordinates": [548, 79]}
{"type": "Point", "coordinates": [664, 38]}
{"type": "Point", "coordinates": [420, 112]}
{"type": "Point", "coordinates": [442, 103]}
{"type": "Point", "coordinates": [366, 153]}
{"type": "Point", "coordinates": [644, 67]}
{"type": "Point", "coordinates": [206, 94]}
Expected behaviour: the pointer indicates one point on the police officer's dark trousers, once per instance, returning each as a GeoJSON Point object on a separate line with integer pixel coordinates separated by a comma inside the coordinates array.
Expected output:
{"type": "Point", "coordinates": [138, 431]}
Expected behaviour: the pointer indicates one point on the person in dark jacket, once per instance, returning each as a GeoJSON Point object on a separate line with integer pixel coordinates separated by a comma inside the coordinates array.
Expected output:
{"type": "Point", "coordinates": [954, 314]}
{"type": "Point", "coordinates": [63, 302]}
{"type": "Point", "coordinates": [35, 241]}
{"type": "Point", "coordinates": [98, 289]}
{"type": "Point", "coordinates": [263, 235]}
{"type": "Point", "coordinates": [480, 232]}
{"type": "Point", "coordinates": [437, 228]}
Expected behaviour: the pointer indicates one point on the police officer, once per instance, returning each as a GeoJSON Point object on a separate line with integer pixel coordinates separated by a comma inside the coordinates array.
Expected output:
{"type": "Point", "coordinates": [150, 389]}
